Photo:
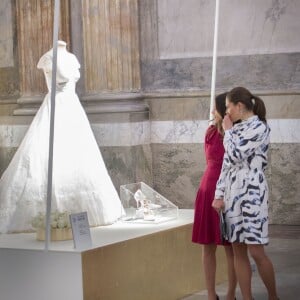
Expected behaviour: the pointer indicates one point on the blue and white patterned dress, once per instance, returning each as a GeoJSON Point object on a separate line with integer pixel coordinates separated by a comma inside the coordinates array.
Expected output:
{"type": "Point", "coordinates": [242, 183]}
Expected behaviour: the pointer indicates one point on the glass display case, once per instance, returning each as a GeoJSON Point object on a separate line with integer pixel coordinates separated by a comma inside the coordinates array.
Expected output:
{"type": "Point", "coordinates": [142, 204]}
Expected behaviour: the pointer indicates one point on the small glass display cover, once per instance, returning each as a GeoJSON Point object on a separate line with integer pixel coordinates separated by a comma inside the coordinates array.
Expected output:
{"type": "Point", "coordinates": [142, 204]}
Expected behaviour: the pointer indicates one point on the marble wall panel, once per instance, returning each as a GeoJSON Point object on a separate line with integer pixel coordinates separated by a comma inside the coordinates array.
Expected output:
{"type": "Point", "coordinates": [122, 134]}
{"type": "Point", "coordinates": [284, 182]}
{"type": "Point", "coordinates": [266, 59]}
{"type": "Point", "coordinates": [12, 135]}
{"type": "Point", "coordinates": [177, 170]}
{"type": "Point", "coordinates": [186, 108]}
{"type": "Point", "coordinates": [128, 164]}
{"type": "Point", "coordinates": [275, 72]}
{"type": "Point", "coordinates": [7, 109]}
{"type": "Point", "coordinates": [9, 74]}
{"type": "Point", "coordinates": [185, 28]}
{"type": "Point", "coordinates": [186, 131]}
{"type": "Point", "coordinates": [6, 154]}
{"type": "Point", "coordinates": [155, 132]}
{"type": "Point", "coordinates": [6, 37]}
{"type": "Point", "coordinates": [282, 106]}
{"type": "Point", "coordinates": [196, 107]}
{"type": "Point", "coordinates": [9, 84]}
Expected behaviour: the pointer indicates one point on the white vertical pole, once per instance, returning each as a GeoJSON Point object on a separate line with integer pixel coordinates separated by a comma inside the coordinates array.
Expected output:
{"type": "Point", "coordinates": [214, 62]}
{"type": "Point", "coordinates": [52, 115]}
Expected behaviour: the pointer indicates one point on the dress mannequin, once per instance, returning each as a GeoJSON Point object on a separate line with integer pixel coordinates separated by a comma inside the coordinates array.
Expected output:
{"type": "Point", "coordinates": [80, 178]}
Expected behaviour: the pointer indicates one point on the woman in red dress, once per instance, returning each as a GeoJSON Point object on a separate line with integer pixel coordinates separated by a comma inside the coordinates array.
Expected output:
{"type": "Point", "coordinates": [206, 229]}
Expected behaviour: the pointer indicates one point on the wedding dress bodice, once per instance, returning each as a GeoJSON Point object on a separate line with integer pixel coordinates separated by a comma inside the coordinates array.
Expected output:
{"type": "Point", "coordinates": [67, 73]}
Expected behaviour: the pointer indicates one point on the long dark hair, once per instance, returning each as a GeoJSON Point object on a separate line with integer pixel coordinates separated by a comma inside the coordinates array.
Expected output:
{"type": "Point", "coordinates": [251, 102]}
{"type": "Point", "coordinates": [220, 103]}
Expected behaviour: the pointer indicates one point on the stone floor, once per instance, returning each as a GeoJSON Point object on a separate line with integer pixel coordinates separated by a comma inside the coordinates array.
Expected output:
{"type": "Point", "coordinates": [284, 250]}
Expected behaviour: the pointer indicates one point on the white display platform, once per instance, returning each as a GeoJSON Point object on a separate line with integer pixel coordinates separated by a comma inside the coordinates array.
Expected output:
{"type": "Point", "coordinates": [101, 236]}
{"type": "Point", "coordinates": [28, 272]}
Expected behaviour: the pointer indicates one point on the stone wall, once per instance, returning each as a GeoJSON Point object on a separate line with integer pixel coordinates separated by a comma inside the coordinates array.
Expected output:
{"type": "Point", "coordinates": [257, 49]}
{"type": "Point", "coordinates": [147, 95]}
{"type": "Point", "coordinates": [9, 74]}
{"type": "Point", "coordinates": [179, 160]}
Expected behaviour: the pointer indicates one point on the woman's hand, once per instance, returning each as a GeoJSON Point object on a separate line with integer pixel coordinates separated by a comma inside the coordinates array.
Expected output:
{"type": "Point", "coordinates": [227, 123]}
{"type": "Point", "coordinates": [218, 204]}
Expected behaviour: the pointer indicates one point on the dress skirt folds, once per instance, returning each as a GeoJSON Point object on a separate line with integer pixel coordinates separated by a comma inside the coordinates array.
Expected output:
{"type": "Point", "coordinates": [206, 229]}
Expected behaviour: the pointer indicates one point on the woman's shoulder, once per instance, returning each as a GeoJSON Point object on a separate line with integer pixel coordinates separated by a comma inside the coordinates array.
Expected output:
{"type": "Point", "coordinates": [251, 123]}
{"type": "Point", "coordinates": [211, 133]}
{"type": "Point", "coordinates": [259, 125]}
{"type": "Point", "coordinates": [211, 129]}
{"type": "Point", "coordinates": [253, 127]}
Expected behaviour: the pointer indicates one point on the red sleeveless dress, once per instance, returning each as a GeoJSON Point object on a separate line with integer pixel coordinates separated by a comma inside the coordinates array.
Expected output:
{"type": "Point", "coordinates": [206, 228]}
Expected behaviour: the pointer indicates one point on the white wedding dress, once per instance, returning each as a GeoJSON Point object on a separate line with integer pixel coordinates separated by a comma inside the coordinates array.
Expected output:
{"type": "Point", "coordinates": [80, 178]}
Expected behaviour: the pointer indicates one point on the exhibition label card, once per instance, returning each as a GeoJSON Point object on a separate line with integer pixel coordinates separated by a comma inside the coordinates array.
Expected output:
{"type": "Point", "coordinates": [81, 230]}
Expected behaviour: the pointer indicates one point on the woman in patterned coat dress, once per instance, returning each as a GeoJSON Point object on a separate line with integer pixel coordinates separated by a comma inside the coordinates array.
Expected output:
{"type": "Point", "coordinates": [242, 190]}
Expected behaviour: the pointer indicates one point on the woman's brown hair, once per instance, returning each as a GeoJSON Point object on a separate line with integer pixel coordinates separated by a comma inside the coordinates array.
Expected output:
{"type": "Point", "coordinates": [251, 102]}
{"type": "Point", "coordinates": [220, 106]}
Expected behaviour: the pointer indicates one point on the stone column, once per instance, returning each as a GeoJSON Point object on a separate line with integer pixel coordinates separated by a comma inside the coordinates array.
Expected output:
{"type": "Point", "coordinates": [110, 54]}
{"type": "Point", "coordinates": [34, 38]}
